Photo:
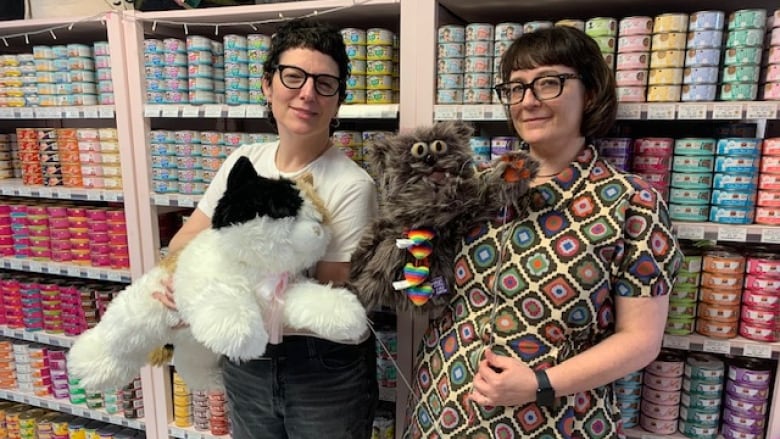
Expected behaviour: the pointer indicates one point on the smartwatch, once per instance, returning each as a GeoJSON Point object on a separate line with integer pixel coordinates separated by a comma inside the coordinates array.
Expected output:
{"type": "Point", "coordinates": [545, 394]}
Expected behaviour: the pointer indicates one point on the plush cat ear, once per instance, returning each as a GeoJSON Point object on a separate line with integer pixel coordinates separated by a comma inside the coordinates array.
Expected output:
{"type": "Point", "coordinates": [242, 171]}
{"type": "Point", "coordinates": [459, 129]}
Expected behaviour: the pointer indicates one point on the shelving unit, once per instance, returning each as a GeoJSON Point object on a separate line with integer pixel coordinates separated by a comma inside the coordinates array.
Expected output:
{"type": "Point", "coordinates": [416, 22]}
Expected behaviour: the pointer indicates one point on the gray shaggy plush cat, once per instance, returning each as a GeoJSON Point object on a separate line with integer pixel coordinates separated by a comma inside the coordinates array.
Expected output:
{"type": "Point", "coordinates": [427, 181]}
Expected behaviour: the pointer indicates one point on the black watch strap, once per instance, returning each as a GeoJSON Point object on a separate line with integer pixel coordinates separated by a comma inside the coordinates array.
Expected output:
{"type": "Point", "coordinates": [545, 394]}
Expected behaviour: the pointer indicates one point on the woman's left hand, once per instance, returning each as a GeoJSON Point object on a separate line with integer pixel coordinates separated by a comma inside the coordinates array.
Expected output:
{"type": "Point", "coordinates": [503, 381]}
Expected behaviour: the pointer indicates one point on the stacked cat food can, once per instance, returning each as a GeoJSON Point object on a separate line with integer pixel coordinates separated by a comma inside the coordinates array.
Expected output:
{"type": "Point", "coordinates": [720, 293]}
{"type": "Point", "coordinates": [769, 88]}
{"type": "Point", "coordinates": [105, 86]}
{"type": "Point", "coordinates": [604, 31]}
{"type": "Point", "coordinates": [691, 179]}
{"type": "Point", "coordinates": [355, 41]}
{"type": "Point", "coordinates": [768, 210]}
{"type": "Point", "coordinates": [705, 39]}
{"type": "Point", "coordinates": [258, 46]}
{"type": "Point", "coordinates": [746, 398]}
{"type": "Point", "coordinates": [682, 301]}
{"type": "Point", "coordinates": [203, 64]}
{"type": "Point", "coordinates": [652, 157]}
{"type": "Point", "coordinates": [381, 61]}
{"type": "Point", "coordinates": [633, 58]}
{"type": "Point", "coordinates": [451, 64]}
{"type": "Point", "coordinates": [165, 65]}
{"type": "Point", "coordinates": [628, 392]}
{"type": "Point", "coordinates": [702, 389]}
{"type": "Point", "coordinates": [505, 34]}
{"type": "Point", "coordinates": [734, 182]}
{"type": "Point", "coordinates": [235, 84]}
{"type": "Point", "coordinates": [478, 67]}
{"type": "Point", "coordinates": [760, 313]}
{"type": "Point", "coordinates": [65, 74]}
{"type": "Point", "coordinates": [18, 76]}
{"type": "Point", "coordinates": [667, 57]}
{"type": "Point", "coordinates": [661, 384]}
{"type": "Point", "coordinates": [742, 61]}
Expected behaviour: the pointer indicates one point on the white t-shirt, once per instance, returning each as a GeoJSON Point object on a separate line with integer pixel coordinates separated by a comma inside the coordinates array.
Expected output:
{"type": "Point", "coordinates": [347, 190]}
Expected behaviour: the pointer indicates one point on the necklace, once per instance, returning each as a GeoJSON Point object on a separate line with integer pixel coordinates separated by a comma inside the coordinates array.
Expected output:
{"type": "Point", "coordinates": [549, 175]}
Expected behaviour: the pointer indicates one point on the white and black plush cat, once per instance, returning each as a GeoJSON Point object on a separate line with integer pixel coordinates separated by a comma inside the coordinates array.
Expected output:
{"type": "Point", "coordinates": [264, 233]}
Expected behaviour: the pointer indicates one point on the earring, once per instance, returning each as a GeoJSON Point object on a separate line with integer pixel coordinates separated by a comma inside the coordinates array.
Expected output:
{"type": "Point", "coordinates": [335, 122]}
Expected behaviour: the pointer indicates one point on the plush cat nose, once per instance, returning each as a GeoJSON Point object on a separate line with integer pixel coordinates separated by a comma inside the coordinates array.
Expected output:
{"type": "Point", "coordinates": [429, 160]}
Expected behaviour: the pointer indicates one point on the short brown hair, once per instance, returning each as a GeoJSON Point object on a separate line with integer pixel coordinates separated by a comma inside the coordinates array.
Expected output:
{"type": "Point", "coordinates": [573, 48]}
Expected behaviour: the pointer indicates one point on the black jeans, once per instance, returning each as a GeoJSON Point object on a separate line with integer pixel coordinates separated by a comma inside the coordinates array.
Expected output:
{"type": "Point", "coordinates": [304, 388]}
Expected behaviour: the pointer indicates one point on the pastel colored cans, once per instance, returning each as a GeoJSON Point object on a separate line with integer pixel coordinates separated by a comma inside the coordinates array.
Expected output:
{"type": "Point", "coordinates": [731, 215]}
{"type": "Point", "coordinates": [445, 65]}
{"type": "Point", "coordinates": [631, 78]}
{"type": "Point", "coordinates": [691, 180]}
{"type": "Point", "coordinates": [743, 73]}
{"type": "Point", "coordinates": [698, 92]}
{"type": "Point", "coordinates": [691, 163]}
{"type": "Point", "coordinates": [449, 34]}
{"type": "Point", "coordinates": [151, 45]}
{"type": "Point", "coordinates": [673, 22]}
{"type": "Point", "coordinates": [449, 96]}
{"type": "Point", "coordinates": [477, 80]}
{"type": "Point", "coordinates": [664, 93]}
{"type": "Point", "coordinates": [532, 26]}
{"type": "Point", "coordinates": [571, 22]}
{"type": "Point", "coordinates": [745, 37]}
{"type": "Point", "coordinates": [701, 39]}
{"type": "Point", "coordinates": [636, 25]}
{"type": "Point", "coordinates": [734, 182]}
{"type": "Point", "coordinates": [356, 51]}
{"type": "Point", "coordinates": [771, 73]}
{"type": "Point", "coordinates": [479, 31]}
{"type": "Point", "coordinates": [700, 75]}
{"type": "Point", "coordinates": [508, 31]}
{"type": "Point", "coordinates": [742, 55]}
{"type": "Point", "coordinates": [747, 19]}
{"type": "Point", "coordinates": [774, 37]}
{"type": "Point", "coordinates": [379, 36]}
{"type": "Point", "coordinates": [632, 60]}
{"type": "Point", "coordinates": [633, 43]}
{"type": "Point", "coordinates": [197, 42]}
{"type": "Point", "coordinates": [669, 40]}
{"type": "Point", "coordinates": [381, 82]}
{"type": "Point", "coordinates": [601, 26]}
{"type": "Point", "coordinates": [263, 42]}
{"type": "Point", "coordinates": [631, 94]}
{"type": "Point", "coordinates": [738, 91]}
{"type": "Point", "coordinates": [478, 64]}
{"type": "Point", "coordinates": [741, 146]}
{"type": "Point", "coordinates": [451, 50]}
{"type": "Point", "coordinates": [771, 91]}
{"type": "Point", "coordinates": [449, 81]}
{"type": "Point", "coordinates": [689, 196]}
{"type": "Point", "coordinates": [704, 20]}
{"type": "Point", "coordinates": [477, 95]}
{"type": "Point", "coordinates": [356, 82]}
{"type": "Point", "coordinates": [658, 426]}
{"type": "Point", "coordinates": [667, 58]}
{"type": "Point", "coordinates": [479, 48]}
{"type": "Point", "coordinates": [722, 197]}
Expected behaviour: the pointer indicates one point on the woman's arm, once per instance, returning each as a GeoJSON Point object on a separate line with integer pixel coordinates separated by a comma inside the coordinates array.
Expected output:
{"type": "Point", "coordinates": [196, 223]}
{"type": "Point", "coordinates": [636, 342]}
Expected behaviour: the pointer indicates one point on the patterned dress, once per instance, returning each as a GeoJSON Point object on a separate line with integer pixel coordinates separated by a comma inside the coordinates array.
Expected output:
{"type": "Point", "coordinates": [590, 234]}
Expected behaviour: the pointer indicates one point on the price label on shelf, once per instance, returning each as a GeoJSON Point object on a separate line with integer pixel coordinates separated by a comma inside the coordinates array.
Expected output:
{"type": "Point", "coordinates": [90, 112]}
{"type": "Point", "coordinates": [212, 110]}
{"type": "Point", "coordinates": [691, 111]}
{"type": "Point", "coordinates": [770, 235]}
{"type": "Point", "coordinates": [689, 231]}
{"type": "Point", "coordinates": [7, 113]}
{"type": "Point", "coordinates": [717, 347]}
{"type": "Point", "coordinates": [255, 111]}
{"type": "Point", "coordinates": [473, 112]}
{"type": "Point", "coordinates": [47, 113]}
{"type": "Point", "coordinates": [170, 111]}
{"type": "Point", "coordinates": [106, 112]}
{"type": "Point", "coordinates": [661, 111]}
{"type": "Point", "coordinates": [236, 111]}
{"type": "Point", "coordinates": [761, 110]}
{"type": "Point", "coordinates": [190, 111]}
{"type": "Point", "coordinates": [72, 113]}
{"type": "Point", "coordinates": [757, 350]}
{"type": "Point", "coordinates": [737, 234]}
{"type": "Point", "coordinates": [498, 112]}
{"type": "Point", "coordinates": [629, 111]}
{"type": "Point", "coordinates": [445, 112]}
{"type": "Point", "coordinates": [26, 113]}
{"type": "Point", "coordinates": [726, 111]}
{"type": "Point", "coordinates": [78, 411]}
{"type": "Point", "coordinates": [152, 111]}
{"type": "Point", "coordinates": [676, 342]}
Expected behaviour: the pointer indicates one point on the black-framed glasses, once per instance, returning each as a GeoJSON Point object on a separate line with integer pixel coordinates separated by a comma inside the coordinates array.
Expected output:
{"type": "Point", "coordinates": [544, 88]}
{"type": "Point", "coordinates": [294, 77]}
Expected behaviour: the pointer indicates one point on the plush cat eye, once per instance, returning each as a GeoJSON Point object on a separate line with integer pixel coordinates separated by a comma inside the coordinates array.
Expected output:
{"type": "Point", "coordinates": [419, 149]}
{"type": "Point", "coordinates": [438, 147]}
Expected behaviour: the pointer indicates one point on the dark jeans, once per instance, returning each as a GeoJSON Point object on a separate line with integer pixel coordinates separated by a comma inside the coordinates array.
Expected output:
{"type": "Point", "coordinates": [304, 388]}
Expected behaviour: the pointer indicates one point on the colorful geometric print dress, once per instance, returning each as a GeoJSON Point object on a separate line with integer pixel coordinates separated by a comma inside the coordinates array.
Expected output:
{"type": "Point", "coordinates": [589, 235]}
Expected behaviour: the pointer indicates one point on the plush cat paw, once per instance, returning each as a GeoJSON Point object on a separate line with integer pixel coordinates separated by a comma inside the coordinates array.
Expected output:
{"type": "Point", "coordinates": [517, 167]}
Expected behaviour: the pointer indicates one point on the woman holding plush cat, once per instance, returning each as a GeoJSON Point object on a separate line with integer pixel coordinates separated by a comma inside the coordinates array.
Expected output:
{"type": "Point", "coordinates": [306, 386]}
{"type": "Point", "coordinates": [555, 303]}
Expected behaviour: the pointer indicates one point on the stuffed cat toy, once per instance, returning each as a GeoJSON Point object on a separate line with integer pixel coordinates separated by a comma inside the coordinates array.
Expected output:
{"type": "Point", "coordinates": [430, 195]}
{"type": "Point", "coordinates": [236, 284]}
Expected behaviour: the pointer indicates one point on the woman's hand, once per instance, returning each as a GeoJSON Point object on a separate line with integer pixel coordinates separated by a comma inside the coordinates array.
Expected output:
{"type": "Point", "coordinates": [503, 381]}
{"type": "Point", "coordinates": [166, 298]}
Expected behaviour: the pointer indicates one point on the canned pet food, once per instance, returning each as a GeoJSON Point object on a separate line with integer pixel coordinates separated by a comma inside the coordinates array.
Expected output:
{"type": "Point", "coordinates": [747, 19]}
{"type": "Point", "coordinates": [669, 41]}
{"type": "Point", "coordinates": [664, 93]}
{"type": "Point", "coordinates": [637, 25]}
{"type": "Point", "coordinates": [704, 20]}
{"type": "Point", "coordinates": [704, 39]}
{"type": "Point", "coordinates": [738, 91]}
{"type": "Point", "coordinates": [702, 57]}
{"type": "Point", "coordinates": [700, 75]}
{"type": "Point", "coordinates": [633, 43]}
{"type": "Point", "coordinates": [699, 92]}
{"type": "Point", "coordinates": [745, 37]}
{"type": "Point", "coordinates": [667, 58]}
{"type": "Point", "coordinates": [744, 73]}
{"type": "Point", "coordinates": [742, 55]}
{"type": "Point", "coordinates": [632, 60]}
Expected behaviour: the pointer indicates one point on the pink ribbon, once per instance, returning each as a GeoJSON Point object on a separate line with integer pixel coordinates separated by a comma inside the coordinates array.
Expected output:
{"type": "Point", "coordinates": [274, 313]}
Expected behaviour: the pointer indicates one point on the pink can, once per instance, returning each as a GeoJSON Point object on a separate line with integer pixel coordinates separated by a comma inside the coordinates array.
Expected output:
{"type": "Point", "coordinates": [636, 25]}
{"type": "Point", "coordinates": [632, 60]}
{"type": "Point", "coordinates": [633, 43]}
{"type": "Point", "coordinates": [626, 78]}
